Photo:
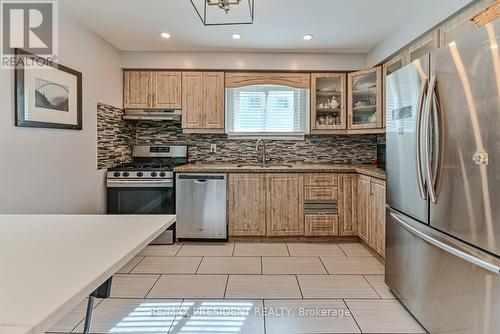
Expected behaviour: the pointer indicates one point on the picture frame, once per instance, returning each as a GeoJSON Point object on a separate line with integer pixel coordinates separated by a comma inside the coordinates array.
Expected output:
{"type": "Point", "coordinates": [47, 94]}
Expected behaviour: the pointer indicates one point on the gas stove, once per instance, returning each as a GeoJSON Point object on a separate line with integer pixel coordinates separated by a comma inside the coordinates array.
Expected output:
{"type": "Point", "coordinates": [150, 163]}
{"type": "Point", "coordinates": [146, 185]}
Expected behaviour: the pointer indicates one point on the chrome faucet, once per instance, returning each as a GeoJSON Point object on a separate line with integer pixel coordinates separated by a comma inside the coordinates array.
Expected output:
{"type": "Point", "coordinates": [265, 158]}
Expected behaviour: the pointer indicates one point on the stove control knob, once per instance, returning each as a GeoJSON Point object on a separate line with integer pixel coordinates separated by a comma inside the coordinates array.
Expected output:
{"type": "Point", "coordinates": [139, 174]}
{"type": "Point", "coordinates": [116, 174]}
{"type": "Point", "coordinates": [163, 174]}
{"type": "Point", "coordinates": [154, 174]}
{"type": "Point", "coordinates": [125, 174]}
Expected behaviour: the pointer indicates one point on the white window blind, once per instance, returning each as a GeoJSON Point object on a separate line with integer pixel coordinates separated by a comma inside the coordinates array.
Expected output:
{"type": "Point", "coordinates": [272, 110]}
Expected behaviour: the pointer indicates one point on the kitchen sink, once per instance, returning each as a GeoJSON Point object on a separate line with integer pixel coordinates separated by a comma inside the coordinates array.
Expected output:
{"type": "Point", "coordinates": [264, 166]}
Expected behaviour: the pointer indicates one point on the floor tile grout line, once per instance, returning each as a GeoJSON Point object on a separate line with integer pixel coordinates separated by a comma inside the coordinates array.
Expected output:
{"type": "Point", "coordinates": [182, 245]}
{"type": "Point", "coordinates": [324, 266]}
{"type": "Point", "coordinates": [352, 315]}
{"type": "Point", "coordinates": [176, 315]}
{"type": "Point", "coordinates": [288, 249]}
{"type": "Point", "coordinates": [199, 264]}
{"type": "Point", "coordinates": [259, 297]}
{"type": "Point", "coordinates": [149, 291]}
{"type": "Point", "coordinates": [136, 264]}
{"type": "Point", "coordinates": [225, 287]}
{"type": "Point", "coordinates": [298, 283]}
{"type": "Point", "coordinates": [261, 265]}
{"type": "Point", "coordinates": [342, 250]}
{"type": "Point", "coordinates": [366, 279]}
{"type": "Point", "coordinates": [234, 246]}
{"type": "Point", "coordinates": [243, 274]}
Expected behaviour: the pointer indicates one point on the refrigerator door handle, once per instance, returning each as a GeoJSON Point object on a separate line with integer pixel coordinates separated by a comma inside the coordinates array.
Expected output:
{"type": "Point", "coordinates": [427, 140]}
{"type": "Point", "coordinates": [420, 107]}
{"type": "Point", "coordinates": [441, 244]}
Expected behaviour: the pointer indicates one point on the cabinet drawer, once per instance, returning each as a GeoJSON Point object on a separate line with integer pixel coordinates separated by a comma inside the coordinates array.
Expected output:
{"type": "Point", "coordinates": [321, 193]}
{"type": "Point", "coordinates": [321, 225]}
{"type": "Point", "coordinates": [321, 179]}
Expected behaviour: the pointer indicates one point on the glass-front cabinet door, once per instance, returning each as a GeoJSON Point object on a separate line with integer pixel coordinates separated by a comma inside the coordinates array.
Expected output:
{"type": "Point", "coordinates": [364, 103]}
{"type": "Point", "coordinates": [328, 102]}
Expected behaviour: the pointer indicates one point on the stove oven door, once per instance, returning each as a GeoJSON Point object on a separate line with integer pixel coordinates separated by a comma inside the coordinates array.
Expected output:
{"type": "Point", "coordinates": [140, 197]}
{"type": "Point", "coordinates": [143, 197]}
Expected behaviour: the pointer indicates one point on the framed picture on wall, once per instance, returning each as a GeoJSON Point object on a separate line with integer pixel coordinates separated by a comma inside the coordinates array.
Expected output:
{"type": "Point", "coordinates": [48, 95]}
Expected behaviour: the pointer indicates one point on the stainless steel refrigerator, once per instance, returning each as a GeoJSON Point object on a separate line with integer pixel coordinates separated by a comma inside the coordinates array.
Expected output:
{"type": "Point", "coordinates": [443, 185]}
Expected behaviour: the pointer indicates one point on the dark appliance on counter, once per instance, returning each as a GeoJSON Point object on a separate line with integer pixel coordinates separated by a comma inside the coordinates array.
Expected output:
{"type": "Point", "coordinates": [381, 154]}
{"type": "Point", "coordinates": [146, 185]}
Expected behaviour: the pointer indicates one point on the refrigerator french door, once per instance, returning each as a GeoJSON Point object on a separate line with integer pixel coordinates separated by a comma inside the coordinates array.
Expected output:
{"type": "Point", "coordinates": [444, 264]}
{"type": "Point", "coordinates": [465, 91]}
{"type": "Point", "coordinates": [405, 96]}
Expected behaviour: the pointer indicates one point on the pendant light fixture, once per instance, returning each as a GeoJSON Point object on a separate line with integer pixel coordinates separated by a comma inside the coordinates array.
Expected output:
{"type": "Point", "coordinates": [224, 12]}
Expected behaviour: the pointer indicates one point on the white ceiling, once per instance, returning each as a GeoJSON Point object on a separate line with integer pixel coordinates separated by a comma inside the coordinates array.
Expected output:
{"type": "Point", "coordinates": [337, 25]}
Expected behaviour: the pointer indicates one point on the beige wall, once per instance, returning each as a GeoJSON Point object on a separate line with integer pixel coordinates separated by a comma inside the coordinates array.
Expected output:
{"type": "Point", "coordinates": [54, 171]}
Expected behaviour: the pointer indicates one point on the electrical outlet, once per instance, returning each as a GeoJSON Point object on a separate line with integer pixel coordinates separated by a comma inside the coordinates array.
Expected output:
{"type": "Point", "coordinates": [213, 148]}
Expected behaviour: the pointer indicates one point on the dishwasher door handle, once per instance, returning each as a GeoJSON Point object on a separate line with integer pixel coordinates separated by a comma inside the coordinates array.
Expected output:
{"type": "Point", "coordinates": [200, 181]}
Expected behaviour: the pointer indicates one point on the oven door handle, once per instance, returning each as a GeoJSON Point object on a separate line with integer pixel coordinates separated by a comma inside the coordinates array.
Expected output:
{"type": "Point", "coordinates": [167, 183]}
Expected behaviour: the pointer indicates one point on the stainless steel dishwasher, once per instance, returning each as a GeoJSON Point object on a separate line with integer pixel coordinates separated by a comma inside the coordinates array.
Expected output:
{"type": "Point", "coordinates": [201, 206]}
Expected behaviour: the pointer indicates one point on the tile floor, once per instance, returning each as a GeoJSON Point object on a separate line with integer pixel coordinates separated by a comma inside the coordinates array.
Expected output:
{"type": "Point", "coordinates": [248, 288]}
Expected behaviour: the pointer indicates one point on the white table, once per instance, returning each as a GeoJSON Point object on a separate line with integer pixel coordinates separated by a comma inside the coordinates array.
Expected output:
{"type": "Point", "coordinates": [50, 263]}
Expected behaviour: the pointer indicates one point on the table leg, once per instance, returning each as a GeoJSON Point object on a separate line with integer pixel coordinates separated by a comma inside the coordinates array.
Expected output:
{"type": "Point", "coordinates": [101, 292]}
{"type": "Point", "coordinates": [88, 317]}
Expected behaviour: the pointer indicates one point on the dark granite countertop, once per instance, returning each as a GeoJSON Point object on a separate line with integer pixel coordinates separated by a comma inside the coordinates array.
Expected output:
{"type": "Point", "coordinates": [368, 170]}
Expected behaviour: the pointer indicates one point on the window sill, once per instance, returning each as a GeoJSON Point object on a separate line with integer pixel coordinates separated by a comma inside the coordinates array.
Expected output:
{"type": "Point", "coordinates": [267, 135]}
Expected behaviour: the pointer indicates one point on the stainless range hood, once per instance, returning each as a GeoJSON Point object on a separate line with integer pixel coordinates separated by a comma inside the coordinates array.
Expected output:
{"type": "Point", "coordinates": [152, 115]}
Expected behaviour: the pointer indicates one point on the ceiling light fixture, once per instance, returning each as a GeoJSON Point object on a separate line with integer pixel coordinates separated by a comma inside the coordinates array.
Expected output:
{"type": "Point", "coordinates": [165, 35]}
{"type": "Point", "coordinates": [224, 12]}
{"type": "Point", "coordinates": [307, 37]}
{"type": "Point", "coordinates": [236, 36]}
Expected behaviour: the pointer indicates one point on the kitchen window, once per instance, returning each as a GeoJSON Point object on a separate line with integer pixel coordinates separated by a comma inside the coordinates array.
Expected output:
{"type": "Point", "coordinates": [268, 111]}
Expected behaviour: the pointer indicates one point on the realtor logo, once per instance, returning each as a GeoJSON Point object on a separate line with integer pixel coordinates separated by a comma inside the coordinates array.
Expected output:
{"type": "Point", "coordinates": [30, 26]}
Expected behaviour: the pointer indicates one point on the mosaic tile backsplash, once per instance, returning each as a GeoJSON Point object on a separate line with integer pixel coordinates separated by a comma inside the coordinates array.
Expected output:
{"type": "Point", "coordinates": [314, 149]}
{"type": "Point", "coordinates": [114, 137]}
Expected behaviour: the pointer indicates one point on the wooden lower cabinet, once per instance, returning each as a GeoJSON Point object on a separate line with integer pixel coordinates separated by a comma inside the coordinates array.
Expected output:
{"type": "Point", "coordinates": [247, 204]}
{"type": "Point", "coordinates": [371, 212]}
{"type": "Point", "coordinates": [321, 225]}
{"type": "Point", "coordinates": [347, 205]}
{"type": "Point", "coordinates": [363, 207]}
{"type": "Point", "coordinates": [266, 204]}
{"type": "Point", "coordinates": [272, 205]}
{"type": "Point", "coordinates": [285, 204]}
{"type": "Point", "coordinates": [377, 240]}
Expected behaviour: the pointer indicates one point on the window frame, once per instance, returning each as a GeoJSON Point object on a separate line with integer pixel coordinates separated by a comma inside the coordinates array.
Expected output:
{"type": "Point", "coordinates": [300, 135]}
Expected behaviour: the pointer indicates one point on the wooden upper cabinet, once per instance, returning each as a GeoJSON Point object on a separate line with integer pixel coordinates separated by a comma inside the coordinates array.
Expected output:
{"type": "Point", "coordinates": [364, 100]}
{"type": "Point", "coordinates": [213, 83]}
{"type": "Point", "coordinates": [240, 79]}
{"type": "Point", "coordinates": [285, 204]}
{"type": "Point", "coordinates": [363, 207]}
{"type": "Point", "coordinates": [422, 46]}
{"type": "Point", "coordinates": [347, 205]}
{"type": "Point", "coordinates": [151, 90]}
{"type": "Point", "coordinates": [137, 92]}
{"type": "Point", "coordinates": [203, 102]}
{"type": "Point", "coordinates": [328, 102]}
{"type": "Point", "coordinates": [166, 90]}
{"type": "Point", "coordinates": [461, 24]}
{"type": "Point", "coordinates": [192, 100]}
{"type": "Point", "coordinates": [247, 204]}
{"type": "Point", "coordinates": [377, 217]}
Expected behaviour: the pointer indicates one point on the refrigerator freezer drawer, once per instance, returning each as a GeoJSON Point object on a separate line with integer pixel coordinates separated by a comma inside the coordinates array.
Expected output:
{"type": "Point", "coordinates": [447, 285]}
